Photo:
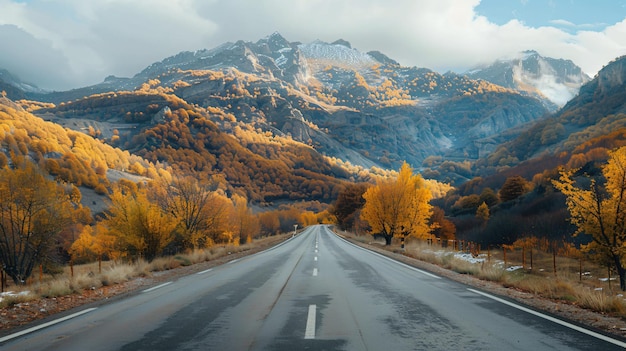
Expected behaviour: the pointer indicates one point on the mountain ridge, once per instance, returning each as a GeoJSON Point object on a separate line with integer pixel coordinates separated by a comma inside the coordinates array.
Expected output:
{"type": "Point", "coordinates": [359, 107]}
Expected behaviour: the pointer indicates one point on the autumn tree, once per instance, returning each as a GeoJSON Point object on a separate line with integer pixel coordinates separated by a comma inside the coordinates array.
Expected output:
{"type": "Point", "coordinates": [188, 201]}
{"type": "Point", "coordinates": [96, 243]}
{"type": "Point", "coordinates": [489, 197]}
{"type": "Point", "coordinates": [600, 211]}
{"type": "Point", "coordinates": [142, 227]}
{"type": "Point", "coordinates": [482, 212]}
{"type": "Point", "coordinates": [513, 188]}
{"type": "Point", "coordinates": [348, 204]}
{"type": "Point", "coordinates": [398, 207]}
{"type": "Point", "coordinates": [245, 223]}
{"type": "Point", "coordinates": [33, 212]}
{"type": "Point", "coordinates": [442, 227]}
{"type": "Point", "coordinates": [269, 222]}
{"type": "Point", "coordinates": [82, 248]}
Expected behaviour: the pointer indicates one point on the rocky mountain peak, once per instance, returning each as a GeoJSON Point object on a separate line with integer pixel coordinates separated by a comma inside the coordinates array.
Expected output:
{"type": "Point", "coordinates": [382, 58]}
{"type": "Point", "coordinates": [274, 42]}
{"type": "Point", "coordinates": [342, 42]}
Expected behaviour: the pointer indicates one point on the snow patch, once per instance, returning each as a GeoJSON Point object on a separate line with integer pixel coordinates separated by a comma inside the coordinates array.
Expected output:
{"type": "Point", "coordinates": [338, 53]}
{"type": "Point", "coordinates": [280, 61]}
{"type": "Point", "coordinates": [12, 294]}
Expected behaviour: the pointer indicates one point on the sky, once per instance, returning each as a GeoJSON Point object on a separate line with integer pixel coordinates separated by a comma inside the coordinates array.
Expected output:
{"type": "Point", "coordinates": [64, 44]}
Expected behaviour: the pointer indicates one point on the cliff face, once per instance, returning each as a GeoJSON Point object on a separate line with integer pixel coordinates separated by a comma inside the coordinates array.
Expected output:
{"type": "Point", "coordinates": [612, 77]}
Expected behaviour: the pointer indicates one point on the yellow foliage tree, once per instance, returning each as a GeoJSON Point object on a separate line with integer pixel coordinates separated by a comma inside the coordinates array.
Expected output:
{"type": "Point", "coordinates": [601, 211]}
{"type": "Point", "coordinates": [482, 212]}
{"type": "Point", "coordinates": [82, 247]}
{"type": "Point", "coordinates": [96, 243]}
{"type": "Point", "coordinates": [246, 224]}
{"type": "Point", "coordinates": [398, 207]}
{"type": "Point", "coordinates": [203, 217]}
{"type": "Point", "coordinates": [33, 213]}
{"type": "Point", "coordinates": [142, 227]}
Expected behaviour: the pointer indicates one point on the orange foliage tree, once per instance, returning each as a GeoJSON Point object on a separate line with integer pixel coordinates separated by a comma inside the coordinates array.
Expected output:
{"type": "Point", "coordinates": [398, 207]}
{"type": "Point", "coordinates": [33, 212]}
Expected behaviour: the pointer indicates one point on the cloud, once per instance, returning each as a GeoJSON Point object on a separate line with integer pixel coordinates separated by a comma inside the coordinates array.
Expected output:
{"type": "Point", "coordinates": [562, 22]}
{"type": "Point", "coordinates": [33, 60]}
{"type": "Point", "coordinates": [92, 39]}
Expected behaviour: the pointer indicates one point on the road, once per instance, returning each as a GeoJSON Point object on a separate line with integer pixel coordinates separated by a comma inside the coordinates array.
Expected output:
{"type": "Point", "coordinates": [313, 292]}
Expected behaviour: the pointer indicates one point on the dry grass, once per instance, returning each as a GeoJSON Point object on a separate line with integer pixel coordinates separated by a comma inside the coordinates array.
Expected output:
{"type": "Point", "coordinates": [16, 298]}
{"type": "Point", "coordinates": [75, 279]}
{"type": "Point", "coordinates": [54, 288]}
{"type": "Point", "coordinates": [600, 301]}
{"type": "Point", "coordinates": [570, 283]}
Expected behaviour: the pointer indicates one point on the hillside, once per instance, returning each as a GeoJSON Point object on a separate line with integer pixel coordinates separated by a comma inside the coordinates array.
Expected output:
{"type": "Point", "coordinates": [578, 137]}
{"type": "Point", "coordinates": [598, 110]}
{"type": "Point", "coordinates": [71, 156]}
{"type": "Point", "coordinates": [183, 141]}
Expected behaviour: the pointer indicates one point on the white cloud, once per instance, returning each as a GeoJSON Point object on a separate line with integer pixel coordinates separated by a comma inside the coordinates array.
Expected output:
{"type": "Point", "coordinates": [92, 39]}
{"type": "Point", "coordinates": [562, 22]}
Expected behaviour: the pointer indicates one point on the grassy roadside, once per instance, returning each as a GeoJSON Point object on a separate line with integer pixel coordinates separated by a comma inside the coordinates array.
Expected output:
{"type": "Point", "coordinates": [91, 277]}
{"type": "Point", "coordinates": [565, 286]}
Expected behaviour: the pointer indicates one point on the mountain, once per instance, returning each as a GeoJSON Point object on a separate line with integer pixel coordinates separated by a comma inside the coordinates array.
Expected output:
{"type": "Point", "coordinates": [360, 109]}
{"type": "Point", "coordinates": [554, 81]}
{"type": "Point", "coordinates": [594, 119]}
{"type": "Point", "coordinates": [13, 87]}
{"type": "Point", "coordinates": [363, 108]}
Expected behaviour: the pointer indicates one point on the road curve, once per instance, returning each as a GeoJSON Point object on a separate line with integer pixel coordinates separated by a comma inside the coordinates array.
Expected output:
{"type": "Point", "coordinates": [314, 292]}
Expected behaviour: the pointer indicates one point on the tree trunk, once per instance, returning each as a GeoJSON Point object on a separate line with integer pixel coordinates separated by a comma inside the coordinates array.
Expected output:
{"type": "Point", "coordinates": [621, 271]}
{"type": "Point", "coordinates": [388, 240]}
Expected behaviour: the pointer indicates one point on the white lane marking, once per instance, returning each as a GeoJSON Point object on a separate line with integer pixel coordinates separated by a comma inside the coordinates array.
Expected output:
{"type": "Point", "coordinates": [315, 259]}
{"type": "Point", "coordinates": [315, 250]}
{"type": "Point", "coordinates": [233, 261]}
{"type": "Point", "coordinates": [205, 271]}
{"type": "Point", "coordinates": [45, 325]}
{"type": "Point", "coordinates": [552, 319]}
{"type": "Point", "coordinates": [315, 272]}
{"type": "Point", "coordinates": [157, 287]}
{"type": "Point", "coordinates": [309, 332]}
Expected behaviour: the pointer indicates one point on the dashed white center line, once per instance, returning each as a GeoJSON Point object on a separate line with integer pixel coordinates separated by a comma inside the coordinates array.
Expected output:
{"type": "Point", "coordinates": [315, 272]}
{"type": "Point", "coordinates": [309, 332]}
{"type": "Point", "coordinates": [315, 259]}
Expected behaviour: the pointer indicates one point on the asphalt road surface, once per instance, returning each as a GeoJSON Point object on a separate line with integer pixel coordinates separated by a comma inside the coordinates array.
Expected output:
{"type": "Point", "coordinates": [313, 292]}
